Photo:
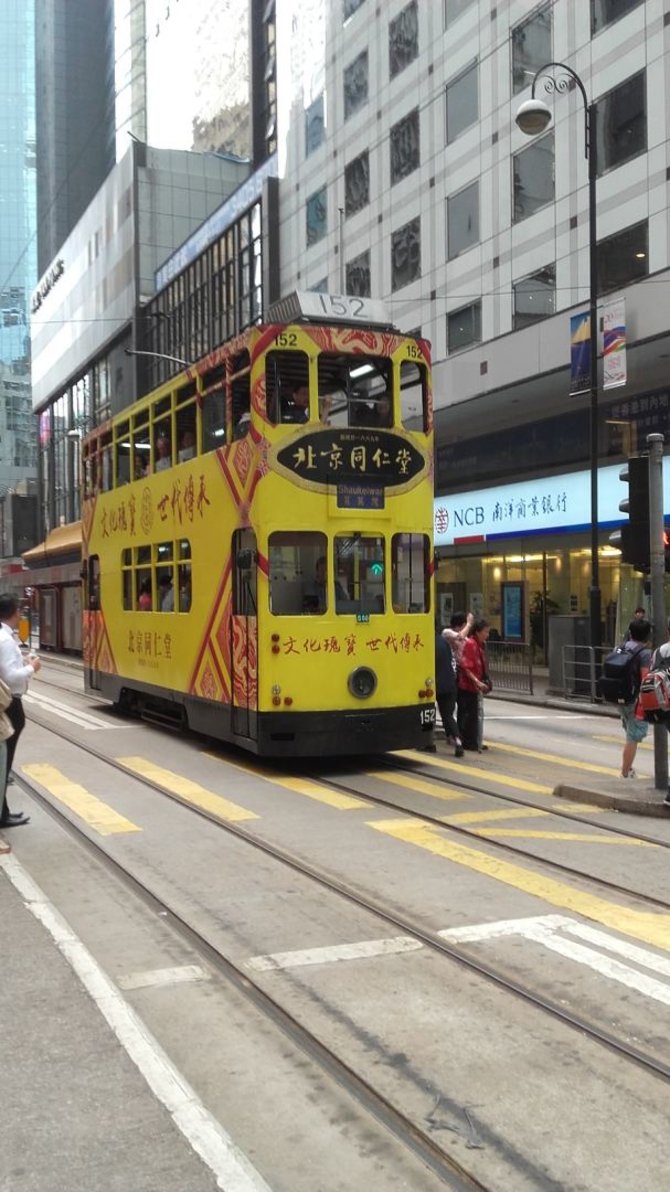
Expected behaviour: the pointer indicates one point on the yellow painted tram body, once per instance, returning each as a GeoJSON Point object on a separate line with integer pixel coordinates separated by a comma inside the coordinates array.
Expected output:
{"type": "Point", "coordinates": [260, 568]}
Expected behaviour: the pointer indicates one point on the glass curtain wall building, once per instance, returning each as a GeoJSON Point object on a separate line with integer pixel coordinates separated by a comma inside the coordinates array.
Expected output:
{"type": "Point", "coordinates": [18, 253]}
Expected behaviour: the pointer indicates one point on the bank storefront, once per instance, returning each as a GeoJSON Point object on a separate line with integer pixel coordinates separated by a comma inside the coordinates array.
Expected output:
{"type": "Point", "coordinates": [520, 553]}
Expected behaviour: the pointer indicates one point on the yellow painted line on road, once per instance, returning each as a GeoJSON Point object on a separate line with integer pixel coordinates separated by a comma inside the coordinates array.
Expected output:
{"type": "Point", "coordinates": [585, 837]}
{"type": "Point", "coordinates": [557, 760]}
{"type": "Point", "coordinates": [474, 817]}
{"type": "Point", "coordinates": [190, 791]}
{"type": "Point", "coordinates": [618, 740]}
{"type": "Point", "coordinates": [419, 785]}
{"type": "Point", "coordinates": [299, 786]}
{"type": "Point", "coordinates": [648, 926]}
{"type": "Point", "coordinates": [460, 767]}
{"type": "Point", "coordinates": [99, 816]}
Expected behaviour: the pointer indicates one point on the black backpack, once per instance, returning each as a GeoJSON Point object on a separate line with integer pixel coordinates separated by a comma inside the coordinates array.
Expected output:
{"type": "Point", "coordinates": [619, 682]}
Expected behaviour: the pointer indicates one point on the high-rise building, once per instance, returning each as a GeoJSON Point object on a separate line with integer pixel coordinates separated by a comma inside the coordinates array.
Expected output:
{"type": "Point", "coordinates": [75, 107]}
{"type": "Point", "coordinates": [405, 177]}
{"type": "Point", "coordinates": [18, 269]}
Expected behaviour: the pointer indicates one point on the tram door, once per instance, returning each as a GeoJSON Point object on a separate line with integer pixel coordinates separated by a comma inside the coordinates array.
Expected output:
{"type": "Point", "coordinates": [92, 622]}
{"type": "Point", "coordinates": [244, 630]}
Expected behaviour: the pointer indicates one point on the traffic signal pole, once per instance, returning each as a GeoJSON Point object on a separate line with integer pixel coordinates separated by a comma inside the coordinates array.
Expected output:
{"type": "Point", "coordinates": [657, 576]}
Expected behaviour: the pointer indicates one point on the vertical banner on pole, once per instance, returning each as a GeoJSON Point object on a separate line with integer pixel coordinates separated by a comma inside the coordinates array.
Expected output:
{"type": "Point", "coordinates": [580, 353]}
{"type": "Point", "coordinates": [614, 344]}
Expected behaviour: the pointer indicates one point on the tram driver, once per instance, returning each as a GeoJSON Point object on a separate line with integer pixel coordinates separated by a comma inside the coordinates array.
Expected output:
{"type": "Point", "coordinates": [316, 598]}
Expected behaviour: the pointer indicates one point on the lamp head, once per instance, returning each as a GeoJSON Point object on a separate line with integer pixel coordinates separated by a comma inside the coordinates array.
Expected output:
{"type": "Point", "coordinates": [533, 117]}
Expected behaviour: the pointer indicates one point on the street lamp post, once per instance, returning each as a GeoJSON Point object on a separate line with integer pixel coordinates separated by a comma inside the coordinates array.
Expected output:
{"type": "Point", "coordinates": [533, 117]}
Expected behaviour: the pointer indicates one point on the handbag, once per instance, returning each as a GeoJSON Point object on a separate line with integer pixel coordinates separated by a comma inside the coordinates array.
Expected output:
{"type": "Point", "coordinates": [5, 695]}
{"type": "Point", "coordinates": [6, 726]}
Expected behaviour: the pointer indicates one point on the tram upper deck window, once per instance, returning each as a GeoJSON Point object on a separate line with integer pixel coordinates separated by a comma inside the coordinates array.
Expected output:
{"type": "Point", "coordinates": [297, 572]}
{"type": "Point", "coordinates": [141, 445]}
{"type": "Point", "coordinates": [90, 468]}
{"type": "Point", "coordinates": [356, 390]}
{"type": "Point", "coordinates": [287, 384]}
{"type": "Point", "coordinates": [359, 574]}
{"type": "Point", "coordinates": [186, 421]}
{"type": "Point", "coordinates": [240, 394]}
{"type": "Point", "coordinates": [106, 471]}
{"type": "Point", "coordinates": [414, 410]}
{"type": "Point", "coordinates": [122, 453]}
{"type": "Point", "coordinates": [162, 431]}
{"type": "Point", "coordinates": [213, 416]}
{"type": "Point", "coordinates": [410, 558]}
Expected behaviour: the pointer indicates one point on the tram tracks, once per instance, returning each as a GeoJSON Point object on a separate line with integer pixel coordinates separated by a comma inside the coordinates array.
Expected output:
{"type": "Point", "coordinates": [391, 916]}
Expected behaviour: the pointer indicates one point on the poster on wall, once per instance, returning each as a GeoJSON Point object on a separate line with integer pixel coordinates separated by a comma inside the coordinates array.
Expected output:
{"type": "Point", "coordinates": [477, 604]}
{"type": "Point", "coordinates": [446, 607]}
{"type": "Point", "coordinates": [512, 612]}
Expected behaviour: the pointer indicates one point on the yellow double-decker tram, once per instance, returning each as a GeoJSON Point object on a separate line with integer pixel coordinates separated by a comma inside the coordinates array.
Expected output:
{"type": "Point", "coordinates": [258, 539]}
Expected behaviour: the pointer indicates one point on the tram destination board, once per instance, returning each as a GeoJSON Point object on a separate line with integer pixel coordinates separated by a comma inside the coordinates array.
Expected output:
{"type": "Point", "coordinates": [372, 459]}
{"type": "Point", "coordinates": [359, 496]}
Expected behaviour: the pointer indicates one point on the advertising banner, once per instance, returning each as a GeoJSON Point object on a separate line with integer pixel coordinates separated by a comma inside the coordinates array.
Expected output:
{"type": "Point", "coordinates": [580, 353]}
{"type": "Point", "coordinates": [614, 344]}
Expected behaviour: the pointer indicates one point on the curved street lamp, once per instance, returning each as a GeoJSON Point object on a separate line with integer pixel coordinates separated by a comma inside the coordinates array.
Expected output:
{"type": "Point", "coordinates": [533, 118]}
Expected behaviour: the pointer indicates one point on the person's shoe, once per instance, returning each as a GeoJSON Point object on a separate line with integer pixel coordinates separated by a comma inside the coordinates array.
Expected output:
{"type": "Point", "coordinates": [631, 774]}
{"type": "Point", "coordinates": [459, 751]}
{"type": "Point", "coordinates": [15, 815]}
{"type": "Point", "coordinates": [16, 821]}
{"type": "Point", "coordinates": [666, 801]}
{"type": "Point", "coordinates": [429, 748]}
{"type": "Point", "coordinates": [10, 780]}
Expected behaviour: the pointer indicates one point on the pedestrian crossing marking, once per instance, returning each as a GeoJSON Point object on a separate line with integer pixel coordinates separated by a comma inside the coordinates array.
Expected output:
{"type": "Point", "coordinates": [557, 760]}
{"type": "Point", "coordinates": [99, 816]}
{"type": "Point", "coordinates": [649, 926]}
{"type": "Point", "coordinates": [584, 837]}
{"type": "Point", "coordinates": [186, 789]}
{"type": "Point", "coordinates": [321, 793]}
{"type": "Point", "coordinates": [419, 785]}
{"type": "Point", "coordinates": [461, 767]}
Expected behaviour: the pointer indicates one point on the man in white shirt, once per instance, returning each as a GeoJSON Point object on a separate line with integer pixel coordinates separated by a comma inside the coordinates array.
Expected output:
{"type": "Point", "coordinates": [16, 674]}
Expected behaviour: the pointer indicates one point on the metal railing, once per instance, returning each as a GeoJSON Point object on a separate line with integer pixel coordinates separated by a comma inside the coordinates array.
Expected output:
{"type": "Point", "coordinates": [580, 667]}
{"type": "Point", "coordinates": [510, 666]}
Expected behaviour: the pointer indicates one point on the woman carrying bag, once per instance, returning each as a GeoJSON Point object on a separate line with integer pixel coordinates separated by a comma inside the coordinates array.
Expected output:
{"type": "Point", "coordinates": [473, 685]}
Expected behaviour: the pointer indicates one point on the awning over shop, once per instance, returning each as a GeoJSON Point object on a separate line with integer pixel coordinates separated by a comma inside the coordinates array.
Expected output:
{"type": "Point", "coordinates": [63, 541]}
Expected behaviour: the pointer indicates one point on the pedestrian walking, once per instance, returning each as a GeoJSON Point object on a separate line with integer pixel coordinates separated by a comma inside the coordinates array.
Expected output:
{"type": "Point", "coordinates": [640, 614]}
{"type": "Point", "coordinates": [473, 682]}
{"type": "Point", "coordinates": [16, 674]}
{"type": "Point", "coordinates": [446, 690]}
{"type": "Point", "coordinates": [634, 725]}
{"type": "Point", "coordinates": [660, 661]}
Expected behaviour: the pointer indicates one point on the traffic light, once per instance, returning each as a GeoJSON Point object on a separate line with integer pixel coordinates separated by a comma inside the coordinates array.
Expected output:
{"type": "Point", "coordinates": [666, 547]}
{"type": "Point", "coordinates": [633, 537]}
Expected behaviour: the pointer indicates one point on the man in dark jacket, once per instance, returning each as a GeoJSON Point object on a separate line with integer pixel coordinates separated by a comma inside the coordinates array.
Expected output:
{"type": "Point", "coordinates": [446, 690]}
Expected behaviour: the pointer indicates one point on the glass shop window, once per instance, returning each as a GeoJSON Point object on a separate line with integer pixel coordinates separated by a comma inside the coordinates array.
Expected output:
{"type": "Point", "coordinates": [298, 573]}
{"type": "Point", "coordinates": [410, 560]}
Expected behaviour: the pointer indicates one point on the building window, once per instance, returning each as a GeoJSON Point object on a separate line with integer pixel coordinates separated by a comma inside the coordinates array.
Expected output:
{"type": "Point", "coordinates": [314, 125]}
{"type": "Point", "coordinates": [604, 12]}
{"type": "Point", "coordinates": [317, 216]}
{"type": "Point", "coordinates": [357, 184]}
{"type": "Point", "coordinates": [534, 297]}
{"type": "Point", "coordinates": [464, 327]}
{"type": "Point", "coordinates": [533, 177]}
{"type": "Point", "coordinates": [319, 287]}
{"type": "Point", "coordinates": [349, 7]}
{"type": "Point", "coordinates": [531, 47]}
{"type": "Point", "coordinates": [623, 258]}
{"type": "Point", "coordinates": [358, 275]}
{"type": "Point", "coordinates": [356, 84]}
{"type": "Point", "coordinates": [403, 39]}
{"type": "Point", "coordinates": [405, 147]}
{"type": "Point", "coordinates": [453, 9]}
{"type": "Point", "coordinates": [462, 102]}
{"type": "Point", "coordinates": [406, 254]}
{"type": "Point", "coordinates": [463, 220]}
{"type": "Point", "coordinates": [621, 123]}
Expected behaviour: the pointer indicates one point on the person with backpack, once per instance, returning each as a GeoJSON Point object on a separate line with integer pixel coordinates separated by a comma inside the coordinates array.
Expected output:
{"type": "Point", "coordinates": [655, 691]}
{"type": "Point", "coordinates": [622, 671]}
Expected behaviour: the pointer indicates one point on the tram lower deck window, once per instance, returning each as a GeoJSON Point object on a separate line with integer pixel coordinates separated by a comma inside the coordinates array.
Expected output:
{"type": "Point", "coordinates": [359, 574]}
{"type": "Point", "coordinates": [410, 557]}
{"type": "Point", "coordinates": [298, 573]}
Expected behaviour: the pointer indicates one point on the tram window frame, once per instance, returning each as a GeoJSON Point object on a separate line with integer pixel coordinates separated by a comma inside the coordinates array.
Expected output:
{"type": "Point", "coordinates": [239, 382]}
{"type": "Point", "coordinates": [106, 473]}
{"type": "Point", "coordinates": [214, 429]}
{"type": "Point", "coordinates": [415, 601]}
{"type": "Point", "coordinates": [184, 576]}
{"type": "Point", "coordinates": [186, 421]}
{"type": "Point", "coordinates": [356, 390]}
{"type": "Point", "coordinates": [141, 445]}
{"type": "Point", "coordinates": [292, 575]}
{"type": "Point", "coordinates": [286, 371]}
{"type": "Point", "coordinates": [409, 414]}
{"type": "Point", "coordinates": [122, 453]}
{"type": "Point", "coordinates": [90, 461]}
{"type": "Point", "coordinates": [163, 562]}
{"type": "Point", "coordinates": [162, 429]}
{"type": "Point", "coordinates": [359, 600]}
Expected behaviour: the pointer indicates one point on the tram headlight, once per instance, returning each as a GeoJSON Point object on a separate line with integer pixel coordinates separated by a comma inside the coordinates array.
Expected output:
{"type": "Point", "coordinates": [362, 682]}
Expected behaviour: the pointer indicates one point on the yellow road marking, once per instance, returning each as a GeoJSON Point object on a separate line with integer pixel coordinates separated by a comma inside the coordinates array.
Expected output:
{"type": "Point", "coordinates": [588, 838]}
{"type": "Point", "coordinates": [430, 759]}
{"type": "Point", "coordinates": [648, 926]}
{"type": "Point", "coordinates": [616, 740]}
{"type": "Point", "coordinates": [419, 785]}
{"type": "Point", "coordinates": [190, 791]}
{"type": "Point", "coordinates": [299, 786]}
{"type": "Point", "coordinates": [557, 760]}
{"type": "Point", "coordinates": [473, 817]}
{"type": "Point", "coordinates": [98, 815]}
